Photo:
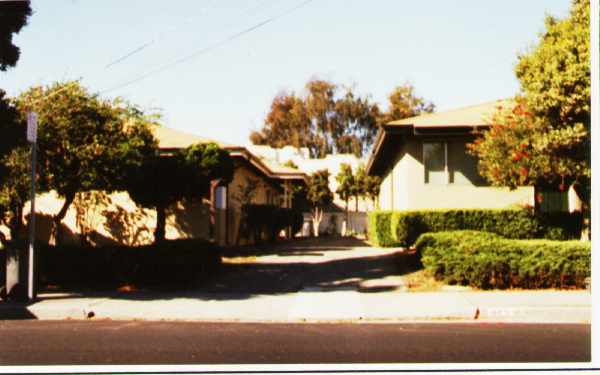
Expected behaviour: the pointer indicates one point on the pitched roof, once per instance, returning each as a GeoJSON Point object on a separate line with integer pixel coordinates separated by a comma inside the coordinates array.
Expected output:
{"type": "Point", "coordinates": [459, 119]}
{"type": "Point", "coordinates": [172, 138]}
{"type": "Point", "coordinates": [471, 116]}
{"type": "Point", "coordinates": [169, 138]}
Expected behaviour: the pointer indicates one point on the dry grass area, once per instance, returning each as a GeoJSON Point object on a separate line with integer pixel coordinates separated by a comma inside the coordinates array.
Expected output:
{"type": "Point", "coordinates": [239, 259]}
{"type": "Point", "coordinates": [415, 278]}
{"type": "Point", "coordinates": [421, 281]}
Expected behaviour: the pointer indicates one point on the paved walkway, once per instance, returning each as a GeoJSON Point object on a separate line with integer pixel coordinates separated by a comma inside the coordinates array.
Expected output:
{"type": "Point", "coordinates": [313, 281]}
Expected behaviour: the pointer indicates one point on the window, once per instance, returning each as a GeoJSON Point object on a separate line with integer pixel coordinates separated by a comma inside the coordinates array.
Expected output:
{"type": "Point", "coordinates": [221, 197]}
{"type": "Point", "coordinates": [462, 166]}
{"type": "Point", "coordinates": [554, 201]}
{"type": "Point", "coordinates": [450, 163]}
{"type": "Point", "coordinates": [434, 160]}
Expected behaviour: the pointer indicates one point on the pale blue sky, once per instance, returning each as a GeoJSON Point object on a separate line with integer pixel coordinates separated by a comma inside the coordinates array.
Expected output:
{"type": "Point", "coordinates": [455, 52]}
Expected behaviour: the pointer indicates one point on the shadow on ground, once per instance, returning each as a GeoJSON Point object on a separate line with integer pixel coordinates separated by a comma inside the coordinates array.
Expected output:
{"type": "Point", "coordinates": [301, 246]}
{"type": "Point", "coordinates": [306, 264]}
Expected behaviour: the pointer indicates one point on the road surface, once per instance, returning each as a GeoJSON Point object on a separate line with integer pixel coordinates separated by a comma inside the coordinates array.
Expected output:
{"type": "Point", "coordinates": [137, 342]}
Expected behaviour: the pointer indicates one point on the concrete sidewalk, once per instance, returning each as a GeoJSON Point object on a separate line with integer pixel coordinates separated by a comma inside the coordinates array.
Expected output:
{"type": "Point", "coordinates": [314, 305]}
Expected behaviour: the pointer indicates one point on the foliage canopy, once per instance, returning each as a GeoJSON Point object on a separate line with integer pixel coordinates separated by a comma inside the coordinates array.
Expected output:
{"type": "Point", "coordinates": [543, 138]}
{"type": "Point", "coordinates": [13, 17]}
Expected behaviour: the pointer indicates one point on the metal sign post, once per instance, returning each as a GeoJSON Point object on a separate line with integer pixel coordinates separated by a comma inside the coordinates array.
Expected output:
{"type": "Point", "coordinates": [32, 138]}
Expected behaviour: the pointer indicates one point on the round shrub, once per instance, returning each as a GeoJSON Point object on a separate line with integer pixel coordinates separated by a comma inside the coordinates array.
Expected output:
{"type": "Point", "coordinates": [489, 261]}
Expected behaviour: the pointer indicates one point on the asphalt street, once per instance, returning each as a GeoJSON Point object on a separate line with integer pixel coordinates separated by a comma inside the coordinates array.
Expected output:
{"type": "Point", "coordinates": [136, 342]}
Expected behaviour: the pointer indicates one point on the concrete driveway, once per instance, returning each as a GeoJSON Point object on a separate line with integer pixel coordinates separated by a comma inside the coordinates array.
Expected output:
{"type": "Point", "coordinates": [324, 263]}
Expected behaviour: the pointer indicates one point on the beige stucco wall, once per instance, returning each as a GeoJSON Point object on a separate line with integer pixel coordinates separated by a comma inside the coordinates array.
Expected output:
{"type": "Point", "coordinates": [404, 188]}
{"type": "Point", "coordinates": [120, 221]}
{"type": "Point", "coordinates": [264, 192]}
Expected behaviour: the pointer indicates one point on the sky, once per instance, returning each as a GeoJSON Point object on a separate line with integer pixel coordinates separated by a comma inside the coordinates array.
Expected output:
{"type": "Point", "coordinates": [212, 67]}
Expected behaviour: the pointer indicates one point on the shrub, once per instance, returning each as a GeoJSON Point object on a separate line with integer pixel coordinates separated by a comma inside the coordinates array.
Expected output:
{"type": "Point", "coordinates": [380, 228]}
{"type": "Point", "coordinates": [405, 226]}
{"type": "Point", "coordinates": [486, 260]}
{"type": "Point", "coordinates": [172, 262]}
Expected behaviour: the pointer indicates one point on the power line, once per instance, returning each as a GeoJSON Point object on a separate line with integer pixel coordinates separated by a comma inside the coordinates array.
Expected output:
{"type": "Point", "coordinates": [147, 44]}
{"type": "Point", "coordinates": [208, 48]}
{"type": "Point", "coordinates": [142, 47]}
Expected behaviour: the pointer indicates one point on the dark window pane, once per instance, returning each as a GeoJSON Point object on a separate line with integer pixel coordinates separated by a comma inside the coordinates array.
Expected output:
{"type": "Point", "coordinates": [554, 201]}
{"type": "Point", "coordinates": [434, 162]}
{"type": "Point", "coordinates": [462, 165]}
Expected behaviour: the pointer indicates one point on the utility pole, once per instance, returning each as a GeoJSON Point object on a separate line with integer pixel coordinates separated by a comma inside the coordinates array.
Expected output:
{"type": "Point", "coordinates": [32, 138]}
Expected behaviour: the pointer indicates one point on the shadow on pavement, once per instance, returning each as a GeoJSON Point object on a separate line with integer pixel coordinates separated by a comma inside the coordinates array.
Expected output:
{"type": "Point", "coordinates": [297, 246]}
{"type": "Point", "coordinates": [237, 281]}
{"type": "Point", "coordinates": [15, 311]}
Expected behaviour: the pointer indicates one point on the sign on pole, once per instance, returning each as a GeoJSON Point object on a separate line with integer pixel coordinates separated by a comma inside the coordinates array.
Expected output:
{"type": "Point", "coordinates": [32, 126]}
{"type": "Point", "coordinates": [32, 137]}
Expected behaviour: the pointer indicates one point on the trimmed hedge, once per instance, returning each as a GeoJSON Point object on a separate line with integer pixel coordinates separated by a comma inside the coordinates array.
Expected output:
{"type": "Point", "coordinates": [402, 228]}
{"type": "Point", "coordinates": [179, 263]}
{"type": "Point", "coordinates": [489, 261]}
{"type": "Point", "coordinates": [380, 231]}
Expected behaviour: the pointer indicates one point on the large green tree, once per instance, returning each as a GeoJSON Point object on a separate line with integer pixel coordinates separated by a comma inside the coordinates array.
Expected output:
{"type": "Point", "coordinates": [85, 142]}
{"type": "Point", "coordinates": [13, 17]}
{"type": "Point", "coordinates": [542, 137]}
{"type": "Point", "coordinates": [164, 179]}
{"type": "Point", "coordinates": [14, 167]}
{"type": "Point", "coordinates": [13, 174]}
{"type": "Point", "coordinates": [327, 119]}
{"type": "Point", "coordinates": [330, 118]}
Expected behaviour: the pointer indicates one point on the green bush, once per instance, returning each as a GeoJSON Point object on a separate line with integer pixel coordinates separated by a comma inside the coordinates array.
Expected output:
{"type": "Point", "coordinates": [402, 228]}
{"type": "Point", "coordinates": [380, 228]}
{"type": "Point", "coordinates": [172, 262]}
{"type": "Point", "coordinates": [489, 261]}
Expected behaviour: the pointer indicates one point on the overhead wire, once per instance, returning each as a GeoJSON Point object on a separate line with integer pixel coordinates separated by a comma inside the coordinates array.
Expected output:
{"type": "Point", "coordinates": [181, 60]}
{"type": "Point", "coordinates": [147, 44]}
{"type": "Point", "coordinates": [209, 48]}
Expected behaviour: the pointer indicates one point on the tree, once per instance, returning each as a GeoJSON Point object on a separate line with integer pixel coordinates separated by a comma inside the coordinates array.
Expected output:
{"type": "Point", "coordinates": [287, 123]}
{"type": "Point", "coordinates": [14, 167]}
{"type": "Point", "coordinates": [14, 190]}
{"type": "Point", "coordinates": [327, 119]}
{"type": "Point", "coordinates": [358, 189]}
{"type": "Point", "coordinates": [165, 179]}
{"type": "Point", "coordinates": [244, 196]}
{"type": "Point", "coordinates": [13, 17]}
{"type": "Point", "coordinates": [85, 143]}
{"type": "Point", "coordinates": [14, 177]}
{"type": "Point", "coordinates": [542, 139]}
{"type": "Point", "coordinates": [345, 189]}
{"type": "Point", "coordinates": [404, 103]}
{"type": "Point", "coordinates": [319, 196]}
{"type": "Point", "coordinates": [372, 187]}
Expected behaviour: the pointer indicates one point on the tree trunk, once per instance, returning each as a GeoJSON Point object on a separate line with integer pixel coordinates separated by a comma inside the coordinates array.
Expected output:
{"type": "Point", "coordinates": [317, 217]}
{"type": "Point", "coordinates": [347, 218]}
{"type": "Point", "coordinates": [161, 221]}
{"type": "Point", "coordinates": [58, 218]}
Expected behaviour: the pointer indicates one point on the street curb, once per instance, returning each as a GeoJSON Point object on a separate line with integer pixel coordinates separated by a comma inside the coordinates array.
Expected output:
{"type": "Point", "coordinates": [579, 314]}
